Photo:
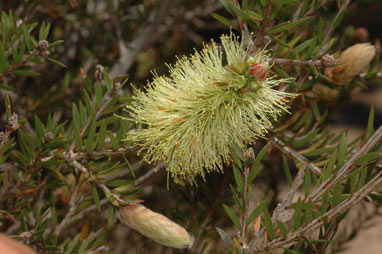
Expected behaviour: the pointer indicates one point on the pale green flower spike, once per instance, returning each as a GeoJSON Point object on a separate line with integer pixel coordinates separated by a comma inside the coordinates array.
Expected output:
{"type": "Point", "coordinates": [190, 119]}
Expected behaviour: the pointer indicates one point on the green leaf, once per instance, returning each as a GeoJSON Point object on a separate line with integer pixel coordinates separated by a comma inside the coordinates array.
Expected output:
{"type": "Point", "coordinates": [39, 127]}
{"type": "Point", "coordinates": [268, 224]}
{"type": "Point", "coordinates": [282, 228]}
{"type": "Point", "coordinates": [370, 124]}
{"type": "Point", "coordinates": [302, 46]}
{"type": "Point", "coordinates": [98, 94]}
{"type": "Point", "coordinates": [325, 201]}
{"type": "Point", "coordinates": [101, 135]}
{"type": "Point", "coordinates": [72, 244]}
{"type": "Point", "coordinates": [279, 41]}
{"type": "Point", "coordinates": [256, 212]}
{"type": "Point", "coordinates": [368, 158]}
{"type": "Point", "coordinates": [236, 199]}
{"type": "Point", "coordinates": [114, 141]}
{"type": "Point", "coordinates": [55, 43]}
{"type": "Point", "coordinates": [237, 154]}
{"type": "Point", "coordinates": [56, 62]}
{"type": "Point", "coordinates": [308, 181]}
{"type": "Point", "coordinates": [232, 216]}
{"type": "Point", "coordinates": [27, 38]}
{"type": "Point", "coordinates": [238, 178]}
{"type": "Point", "coordinates": [26, 73]}
{"type": "Point", "coordinates": [297, 214]}
{"type": "Point", "coordinates": [42, 31]}
{"type": "Point", "coordinates": [320, 34]}
{"type": "Point", "coordinates": [287, 171]}
{"type": "Point", "coordinates": [329, 169]}
{"type": "Point", "coordinates": [308, 211]}
{"type": "Point", "coordinates": [89, 105]}
{"type": "Point", "coordinates": [342, 151]}
{"type": "Point", "coordinates": [337, 21]}
{"type": "Point", "coordinates": [287, 25]}
{"type": "Point", "coordinates": [6, 87]}
{"type": "Point", "coordinates": [76, 116]}
{"type": "Point", "coordinates": [91, 136]}
{"type": "Point", "coordinates": [96, 197]}
{"type": "Point", "coordinates": [110, 216]}
{"type": "Point", "coordinates": [120, 182]}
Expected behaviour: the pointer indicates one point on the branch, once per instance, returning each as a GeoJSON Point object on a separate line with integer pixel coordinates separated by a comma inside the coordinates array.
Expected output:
{"type": "Point", "coordinates": [291, 152]}
{"type": "Point", "coordinates": [346, 168]}
{"type": "Point", "coordinates": [128, 54]}
{"type": "Point", "coordinates": [69, 214]}
{"type": "Point", "coordinates": [330, 30]}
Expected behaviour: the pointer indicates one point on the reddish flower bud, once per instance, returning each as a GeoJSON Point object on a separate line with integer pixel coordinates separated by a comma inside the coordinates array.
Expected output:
{"type": "Point", "coordinates": [259, 71]}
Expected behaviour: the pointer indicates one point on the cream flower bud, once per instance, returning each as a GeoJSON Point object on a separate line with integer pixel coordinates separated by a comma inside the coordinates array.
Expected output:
{"type": "Point", "coordinates": [351, 62]}
{"type": "Point", "coordinates": [155, 226]}
{"type": "Point", "coordinates": [191, 118]}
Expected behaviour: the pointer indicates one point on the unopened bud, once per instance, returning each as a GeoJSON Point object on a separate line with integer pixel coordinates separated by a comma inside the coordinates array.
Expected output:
{"type": "Point", "coordinates": [99, 69]}
{"type": "Point", "coordinates": [43, 45]}
{"type": "Point", "coordinates": [48, 136]}
{"type": "Point", "coordinates": [155, 226]}
{"type": "Point", "coordinates": [328, 60]}
{"type": "Point", "coordinates": [117, 86]}
{"type": "Point", "coordinates": [2, 135]}
{"type": "Point", "coordinates": [249, 154]}
{"type": "Point", "coordinates": [259, 71]}
{"type": "Point", "coordinates": [351, 62]}
{"type": "Point", "coordinates": [26, 235]}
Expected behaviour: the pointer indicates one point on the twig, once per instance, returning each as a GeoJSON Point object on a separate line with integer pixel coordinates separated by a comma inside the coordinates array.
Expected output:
{"type": "Point", "coordinates": [329, 215]}
{"type": "Point", "coordinates": [246, 206]}
{"type": "Point", "coordinates": [69, 214]}
{"type": "Point", "coordinates": [263, 25]}
{"type": "Point", "coordinates": [128, 54]}
{"type": "Point", "coordinates": [344, 170]}
{"type": "Point", "coordinates": [299, 179]}
{"type": "Point", "coordinates": [314, 62]}
{"type": "Point", "coordinates": [289, 151]}
{"type": "Point", "coordinates": [88, 210]}
{"type": "Point", "coordinates": [144, 177]}
{"type": "Point", "coordinates": [329, 30]}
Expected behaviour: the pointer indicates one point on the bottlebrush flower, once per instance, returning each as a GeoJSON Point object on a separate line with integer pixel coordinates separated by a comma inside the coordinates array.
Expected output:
{"type": "Point", "coordinates": [155, 226]}
{"type": "Point", "coordinates": [191, 118]}
{"type": "Point", "coordinates": [351, 62]}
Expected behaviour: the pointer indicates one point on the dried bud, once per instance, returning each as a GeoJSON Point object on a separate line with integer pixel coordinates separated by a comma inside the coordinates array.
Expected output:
{"type": "Point", "coordinates": [99, 69]}
{"type": "Point", "coordinates": [155, 226]}
{"type": "Point", "coordinates": [328, 60]}
{"type": "Point", "coordinates": [351, 62]}
{"type": "Point", "coordinates": [48, 136]}
{"type": "Point", "coordinates": [249, 154]}
{"type": "Point", "coordinates": [259, 70]}
{"type": "Point", "coordinates": [2, 135]}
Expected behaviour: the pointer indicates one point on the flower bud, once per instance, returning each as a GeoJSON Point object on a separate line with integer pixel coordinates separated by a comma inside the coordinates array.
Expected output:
{"type": "Point", "coordinates": [351, 62]}
{"type": "Point", "coordinates": [43, 45]}
{"type": "Point", "coordinates": [249, 154]}
{"type": "Point", "coordinates": [48, 136]}
{"type": "Point", "coordinates": [155, 226]}
{"type": "Point", "coordinates": [99, 69]}
{"type": "Point", "coordinates": [328, 60]}
{"type": "Point", "coordinates": [259, 70]}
